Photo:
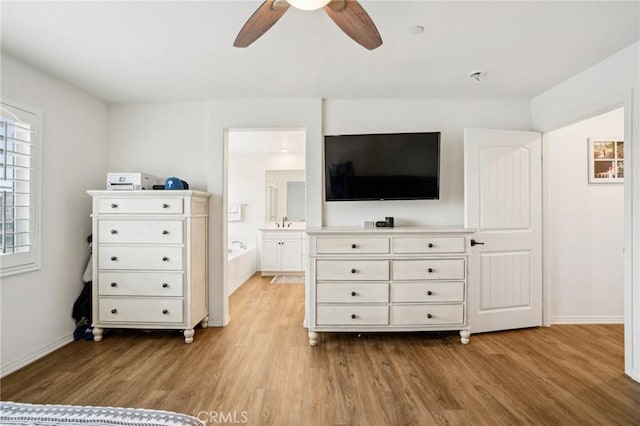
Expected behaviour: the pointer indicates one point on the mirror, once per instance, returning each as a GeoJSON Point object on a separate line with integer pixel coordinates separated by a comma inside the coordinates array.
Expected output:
{"type": "Point", "coordinates": [284, 195]}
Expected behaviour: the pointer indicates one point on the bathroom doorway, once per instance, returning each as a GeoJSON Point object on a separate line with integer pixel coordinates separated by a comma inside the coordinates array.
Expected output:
{"type": "Point", "coordinates": [265, 190]}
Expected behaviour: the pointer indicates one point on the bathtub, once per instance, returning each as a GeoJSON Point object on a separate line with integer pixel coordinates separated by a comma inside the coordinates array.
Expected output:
{"type": "Point", "coordinates": [241, 263]}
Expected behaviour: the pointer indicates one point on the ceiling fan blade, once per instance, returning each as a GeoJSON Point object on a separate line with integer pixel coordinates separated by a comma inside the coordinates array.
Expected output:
{"type": "Point", "coordinates": [259, 23]}
{"type": "Point", "coordinates": [355, 22]}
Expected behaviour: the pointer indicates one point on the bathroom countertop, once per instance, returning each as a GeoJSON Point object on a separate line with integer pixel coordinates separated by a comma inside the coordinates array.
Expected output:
{"type": "Point", "coordinates": [290, 228]}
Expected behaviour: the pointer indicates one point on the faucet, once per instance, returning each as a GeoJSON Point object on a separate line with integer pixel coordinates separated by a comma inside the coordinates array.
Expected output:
{"type": "Point", "coordinates": [240, 243]}
{"type": "Point", "coordinates": [277, 225]}
{"type": "Point", "coordinates": [284, 218]}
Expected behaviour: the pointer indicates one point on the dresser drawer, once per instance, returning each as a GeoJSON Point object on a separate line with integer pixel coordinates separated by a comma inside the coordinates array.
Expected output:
{"type": "Point", "coordinates": [350, 315]}
{"type": "Point", "coordinates": [409, 245]}
{"type": "Point", "coordinates": [140, 284]}
{"type": "Point", "coordinates": [434, 291]}
{"type": "Point", "coordinates": [352, 245]}
{"type": "Point", "coordinates": [427, 314]}
{"type": "Point", "coordinates": [140, 205]}
{"type": "Point", "coordinates": [352, 292]}
{"type": "Point", "coordinates": [352, 270]}
{"type": "Point", "coordinates": [141, 231]}
{"type": "Point", "coordinates": [157, 310]}
{"type": "Point", "coordinates": [432, 269]}
{"type": "Point", "coordinates": [140, 257]}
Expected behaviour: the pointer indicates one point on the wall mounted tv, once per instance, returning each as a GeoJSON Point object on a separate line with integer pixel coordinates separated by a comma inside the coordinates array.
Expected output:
{"type": "Point", "coordinates": [393, 166]}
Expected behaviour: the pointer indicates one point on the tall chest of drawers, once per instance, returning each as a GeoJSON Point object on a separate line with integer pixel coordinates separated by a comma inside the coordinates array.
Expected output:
{"type": "Point", "coordinates": [149, 260]}
{"type": "Point", "coordinates": [393, 279]}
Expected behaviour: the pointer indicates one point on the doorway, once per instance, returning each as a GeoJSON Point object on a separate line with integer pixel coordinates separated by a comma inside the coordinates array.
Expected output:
{"type": "Point", "coordinates": [256, 193]}
{"type": "Point", "coordinates": [584, 221]}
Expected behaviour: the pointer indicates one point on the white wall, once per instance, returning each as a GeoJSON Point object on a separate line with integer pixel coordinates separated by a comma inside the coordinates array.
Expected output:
{"type": "Point", "coordinates": [448, 116]}
{"type": "Point", "coordinates": [585, 227]}
{"type": "Point", "coordinates": [611, 83]}
{"type": "Point", "coordinates": [138, 140]}
{"type": "Point", "coordinates": [247, 186]}
{"type": "Point", "coordinates": [135, 132]}
{"type": "Point", "coordinates": [163, 139]}
{"type": "Point", "coordinates": [187, 140]}
{"type": "Point", "coordinates": [36, 306]}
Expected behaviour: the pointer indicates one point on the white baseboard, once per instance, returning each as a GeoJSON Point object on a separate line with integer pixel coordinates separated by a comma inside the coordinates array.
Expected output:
{"type": "Point", "coordinates": [588, 319]}
{"type": "Point", "coordinates": [45, 350]}
{"type": "Point", "coordinates": [215, 322]}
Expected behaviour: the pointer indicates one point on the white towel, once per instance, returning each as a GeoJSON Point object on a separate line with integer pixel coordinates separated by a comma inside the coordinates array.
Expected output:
{"type": "Point", "coordinates": [234, 212]}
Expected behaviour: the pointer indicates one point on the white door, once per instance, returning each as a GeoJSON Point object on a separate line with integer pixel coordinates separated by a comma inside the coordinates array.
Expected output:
{"type": "Point", "coordinates": [503, 202]}
{"type": "Point", "coordinates": [271, 255]}
{"type": "Point", "coordinates": [291, 260]}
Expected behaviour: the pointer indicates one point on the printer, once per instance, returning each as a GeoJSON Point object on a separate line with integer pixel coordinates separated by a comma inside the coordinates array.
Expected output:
{"type": "Point", "coordinates": [130, 181]}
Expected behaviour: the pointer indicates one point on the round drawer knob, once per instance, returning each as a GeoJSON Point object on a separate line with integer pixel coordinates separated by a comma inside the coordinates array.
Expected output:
{"type": "Point", "coordinates": [114, 284]}
{"type": "Point", "coordinates": [429, 293]}
{"type": "Point", "coordinates": [114, 258]}
{"type": "Point", "coordinates": [430, 270]}
{"type": "Point", "coordinates": [353, 246]}
{"type": "Point", "coordinates": [430, 245]}
{"type": "Point", "coordinates": [165, 311]}
{"type": "Point", "coordinates": [114, 311]}
{"type": "Point", "coordinates": [429, 316]}
{"type": "Point", "coordinates": [165, 285]}
{"type": "Point", "coordinates": [113, 232]}
{"type": "Point", "coordinates": [353, 271]}
{"type": "Point", "coordinates": [165, 259]}
{"type": "Point", "coordinates": [353, 316]}
{"type": "Point", "coordinates": [114, 206]}
{"type": "Point", "coordinates": [353, 293]}
{"type": "Point", "coordinates": [165, 206]}
{"type": "Point", "coordinates": [165, 232]}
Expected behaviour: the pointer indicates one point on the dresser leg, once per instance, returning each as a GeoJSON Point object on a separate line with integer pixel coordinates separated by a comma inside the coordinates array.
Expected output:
{"type": "Point", "coordinates": [313, 338]}
{"type": "Point", "coordinates": [97, 334]}
{"type": "Point", "coordinates": [464, 335]}
{"type": "Point", "coordinates": [188, 335]}
{"type": "Point", "coordinates": [205, 322]}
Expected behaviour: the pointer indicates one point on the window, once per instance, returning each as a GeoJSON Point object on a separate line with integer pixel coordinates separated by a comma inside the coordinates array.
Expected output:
{"type": "Point", "coordinates": [19, 201]}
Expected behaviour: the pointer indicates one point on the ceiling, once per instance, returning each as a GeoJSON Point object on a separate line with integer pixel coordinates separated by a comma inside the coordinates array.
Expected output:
{"type": "Point", "coordinates": [182, 50]}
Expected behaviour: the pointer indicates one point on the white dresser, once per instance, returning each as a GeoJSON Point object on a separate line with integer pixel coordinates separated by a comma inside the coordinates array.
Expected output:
{"type": "Point", "coordinates": [283, 250]}
{"type": "Point", "coordinates": [149, 260]}
{"type": "Point", "coordinates": [387, 279]}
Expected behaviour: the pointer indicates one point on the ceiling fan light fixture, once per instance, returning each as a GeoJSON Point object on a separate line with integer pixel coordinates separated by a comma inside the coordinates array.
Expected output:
{"type": "Point", "coordinates": [308, 4]}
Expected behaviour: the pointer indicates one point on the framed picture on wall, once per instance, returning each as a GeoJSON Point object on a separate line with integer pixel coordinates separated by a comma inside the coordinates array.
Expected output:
{"type": "Point", "coordinates": [606, 160]}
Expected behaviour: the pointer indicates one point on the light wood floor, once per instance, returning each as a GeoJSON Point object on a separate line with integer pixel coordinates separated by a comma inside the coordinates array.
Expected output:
{"type": "Point", "coordinates": [260, 368]}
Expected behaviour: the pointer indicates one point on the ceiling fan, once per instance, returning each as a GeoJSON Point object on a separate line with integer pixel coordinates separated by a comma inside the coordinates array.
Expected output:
{"type": "Point", "coordinates": [347, 14]}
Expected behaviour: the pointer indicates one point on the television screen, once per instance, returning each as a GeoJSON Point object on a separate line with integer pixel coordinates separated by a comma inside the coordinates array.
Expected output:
{"type": "Point", "coordinates": [397, 166]}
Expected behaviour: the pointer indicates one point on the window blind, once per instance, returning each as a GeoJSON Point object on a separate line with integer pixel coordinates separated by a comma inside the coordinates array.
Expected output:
{"type": "Point", "coordinates": [17, 230]}
{"type": "Point", "coordinates": [19, 188]}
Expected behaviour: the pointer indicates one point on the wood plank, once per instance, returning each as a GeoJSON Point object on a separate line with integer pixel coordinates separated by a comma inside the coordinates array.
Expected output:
{"type": "Point", "coordinates": [261, 365]}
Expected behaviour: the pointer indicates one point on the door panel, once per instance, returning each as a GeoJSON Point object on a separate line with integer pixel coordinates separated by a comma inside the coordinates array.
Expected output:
{"type": "Point", "coordinates": [291, 255]}
{"type": "Point", "coordinates": [503, 202]}
{"type": "Point", "coordinates": [270, 255]}
{"type": "Point", "coordinates": [505, 187]}
{"type": "Point", "coordinates": [507, 276]}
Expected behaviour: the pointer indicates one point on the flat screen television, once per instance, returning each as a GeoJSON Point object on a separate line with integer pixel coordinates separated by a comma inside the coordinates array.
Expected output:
{"type": "Point", "coordinates": [392, 166]}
